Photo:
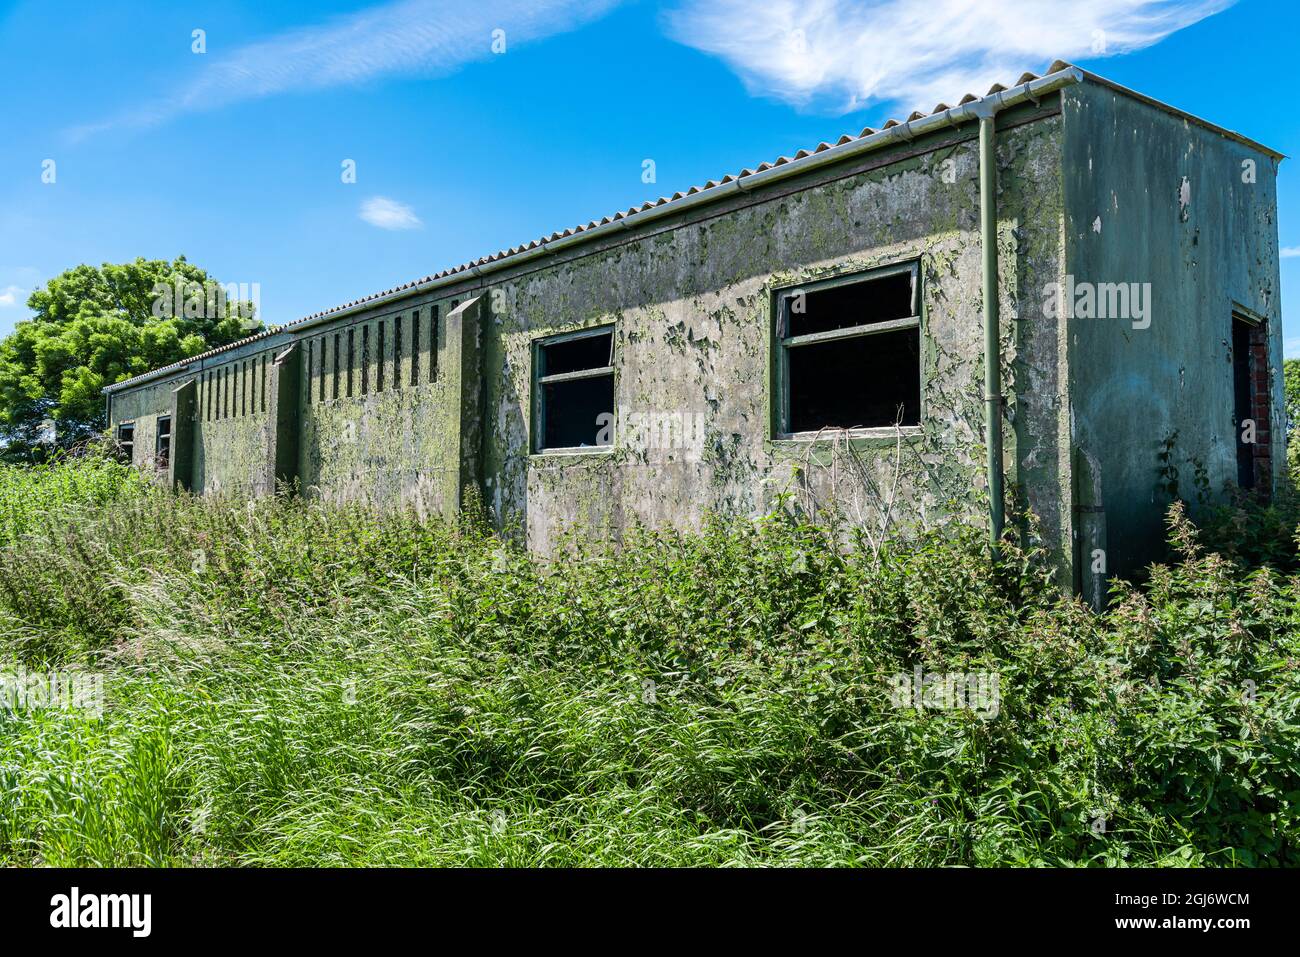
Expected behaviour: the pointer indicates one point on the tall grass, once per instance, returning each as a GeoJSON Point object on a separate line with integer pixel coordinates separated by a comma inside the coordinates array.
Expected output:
{"type": "Point", "coordinates": [296, 684]}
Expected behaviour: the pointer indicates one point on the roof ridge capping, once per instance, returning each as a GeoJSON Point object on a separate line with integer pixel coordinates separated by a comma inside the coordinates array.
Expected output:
{"type": "Point", "coordinates": [1028, 88]}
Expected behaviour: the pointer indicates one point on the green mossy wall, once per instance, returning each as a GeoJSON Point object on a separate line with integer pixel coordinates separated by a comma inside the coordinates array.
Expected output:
{"type": "Point", "coordinates": [398, 445]}
{"type": "Point", "coordinates": [1153, 198]}
{"type": "Point", "coordinates": [144, 407]}
{"type": "Point", "coordinates": [690, 298]}
{"type": "Point", "coordinates": [231, 431]}
{"type": "Point", "coordinates": [692, 312]}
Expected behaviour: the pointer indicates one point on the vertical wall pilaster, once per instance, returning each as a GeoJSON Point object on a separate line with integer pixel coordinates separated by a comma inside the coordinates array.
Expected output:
{"type": "Point", "coordinates": [180, 463]}
{"type": "Point", "coordinates": [283, 420]}
{"type": "Point", "coordinates": [464, 335]}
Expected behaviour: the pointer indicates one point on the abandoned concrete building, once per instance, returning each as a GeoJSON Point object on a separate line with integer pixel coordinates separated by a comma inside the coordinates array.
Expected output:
{"type": "Point", "coordinates": [829, 327]}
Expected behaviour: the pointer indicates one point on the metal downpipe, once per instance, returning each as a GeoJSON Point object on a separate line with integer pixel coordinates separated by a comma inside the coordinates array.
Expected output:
{"type": "Point", "coordinates": [992, 341]}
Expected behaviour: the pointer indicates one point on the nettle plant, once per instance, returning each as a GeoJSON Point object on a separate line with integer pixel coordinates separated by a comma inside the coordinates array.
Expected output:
{"type": "Point", "coordinates": [297, 682]}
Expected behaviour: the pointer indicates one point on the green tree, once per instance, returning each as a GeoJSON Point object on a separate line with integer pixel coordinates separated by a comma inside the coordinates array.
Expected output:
{"type": "Point", "coordinates": [94, 326]}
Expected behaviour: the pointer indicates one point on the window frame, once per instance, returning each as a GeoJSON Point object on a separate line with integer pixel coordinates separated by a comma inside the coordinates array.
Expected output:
{"type": "Point", "coordinates": [540, 380]}
{"type": "Point", "coordinates": [161, 462]}
{"type": "Point", "coordinates": [127, 447]}
{"type": "Point", "coordinates": [1255, 461]}
{"type": "Point", "coordinates": [782, 343]}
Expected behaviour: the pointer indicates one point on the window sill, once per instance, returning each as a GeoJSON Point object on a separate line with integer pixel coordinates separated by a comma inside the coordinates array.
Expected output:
{"type": "Point", "coordinates": [858, 438]}
{"type": "Point", "coordinates": [576, 452]}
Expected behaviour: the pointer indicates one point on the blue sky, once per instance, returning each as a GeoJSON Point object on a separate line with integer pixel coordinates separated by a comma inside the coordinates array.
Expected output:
{"type": "Point", "coordinates": [233, 156]}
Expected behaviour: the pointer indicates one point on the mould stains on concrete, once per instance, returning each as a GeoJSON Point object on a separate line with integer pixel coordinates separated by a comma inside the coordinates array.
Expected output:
{"type": "Point", "coordinates": [691, 299]}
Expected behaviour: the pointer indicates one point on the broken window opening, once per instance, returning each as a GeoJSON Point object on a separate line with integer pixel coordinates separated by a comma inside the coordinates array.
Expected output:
{"type": "Point", "coordinates": [850, 353]}
{"type": "Point", "coordinates": [379, 348]}
{"type": "Point", "coordinates": [126, 441]}
{"type": "Point", "coordinates": [575, 390]}
{"type": "Point", "coordinates": [163, 442]}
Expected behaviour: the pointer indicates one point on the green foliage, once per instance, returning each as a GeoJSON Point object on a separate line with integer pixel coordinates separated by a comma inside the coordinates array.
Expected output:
{"type": "Point", "coordinates": [1291, 390]}
{"type": "Point", "coordinates": [60, 486]}
{"type": "Point", "coordinates": [1254, 531]}
{"type": "Point", "coordinates": [295, 683]}
{"type": "Point", "coordinates": [96, 326]}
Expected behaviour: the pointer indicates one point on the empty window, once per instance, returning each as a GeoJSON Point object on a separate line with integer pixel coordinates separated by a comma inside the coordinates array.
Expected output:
{"type": "Point", "coordinates": [163, 444]}
{"type": "Point", "coordinates": [379, 348]}
{"type": "Point", "coordinates": [126, 441]}
{"type": "Point", "coordinates": [850, 353]}
{"type": "Point", "coordinates": [574, 388]}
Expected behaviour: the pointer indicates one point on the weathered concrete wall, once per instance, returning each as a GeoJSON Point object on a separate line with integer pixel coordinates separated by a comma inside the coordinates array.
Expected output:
{"type": "Point", "coordinates": [231, 431]}
{"type": "Point", "coordinates": [1153, 199]}
{"type": "Point", "coordinates": [692, 311]}
{"type": "Point", "coordinates": [144, 406]}
{"type": "Point", "coordinates": [691, 300]}
{"type": "Point", "coordinates": [1094, 187]}
{"type": "Point", "coordinates": [390, 433]}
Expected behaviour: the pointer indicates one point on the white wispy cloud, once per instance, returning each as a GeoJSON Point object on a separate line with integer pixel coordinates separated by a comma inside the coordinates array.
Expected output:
{"type": "Point", "coordinates": [389, 214]}
{"type": "Point", "coordinates": [1290, 252]}
{"type": "Point", "coordinates": [427, 37]}
{"type": "Point", "coordinates": [11, 296]}
{"type": "Point", "coordinates": [916, 53]}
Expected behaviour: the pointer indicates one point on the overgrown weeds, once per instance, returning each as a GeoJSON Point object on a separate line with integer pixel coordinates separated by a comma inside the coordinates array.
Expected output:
{"type": "Point", "coordinates": [294, 683]}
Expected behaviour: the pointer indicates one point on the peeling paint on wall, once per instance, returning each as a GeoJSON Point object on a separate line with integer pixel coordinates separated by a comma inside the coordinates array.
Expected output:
{"type": "Point", "coordinates": [691, 303]}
